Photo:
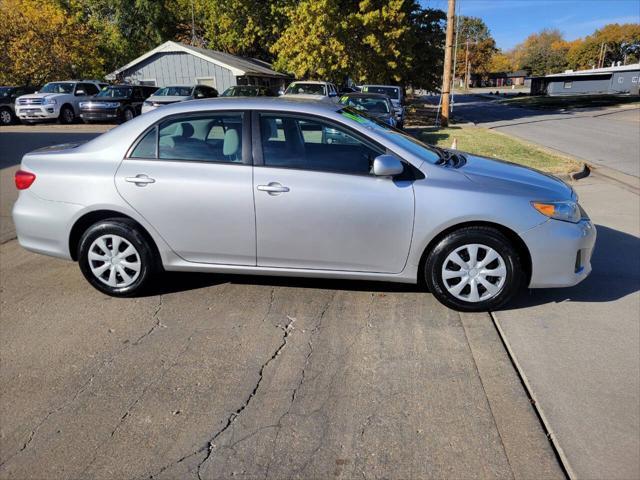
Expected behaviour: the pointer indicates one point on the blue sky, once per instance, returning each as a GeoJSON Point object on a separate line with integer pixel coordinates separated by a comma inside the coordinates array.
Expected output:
{"type": "Point", "coordinates": [511, 21]}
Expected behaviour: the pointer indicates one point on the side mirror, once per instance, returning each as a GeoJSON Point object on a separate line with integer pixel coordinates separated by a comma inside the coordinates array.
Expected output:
{"type": "Point", "coordinates": [387, 166]}
{"type": "Point", "coordinates": [80, 93]}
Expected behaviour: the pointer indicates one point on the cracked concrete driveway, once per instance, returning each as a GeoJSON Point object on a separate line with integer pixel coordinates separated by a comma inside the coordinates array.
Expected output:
{"type": "Point", "coordinates": [220, 376]}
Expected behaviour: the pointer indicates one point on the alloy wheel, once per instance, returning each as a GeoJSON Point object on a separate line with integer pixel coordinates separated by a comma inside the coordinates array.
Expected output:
{"type": "Point", "coordinates": [114, 261]}
{"type": "Point", "coordinates": [474, 273]}
{"type": "Point", "coordinates": [5, 117]}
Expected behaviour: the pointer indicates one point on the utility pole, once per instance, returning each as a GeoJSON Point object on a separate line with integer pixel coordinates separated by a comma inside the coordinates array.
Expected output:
{"type": "Point", "coordinates": [446, 77]}
{"type": "Point", "coordinates": [466, 67]}
{"type": "Point", "coordinates": [193, 25]}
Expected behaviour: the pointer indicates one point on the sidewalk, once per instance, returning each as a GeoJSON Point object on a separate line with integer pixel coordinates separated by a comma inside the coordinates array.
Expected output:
{"type": "Point", "coordinates": [578, 349]}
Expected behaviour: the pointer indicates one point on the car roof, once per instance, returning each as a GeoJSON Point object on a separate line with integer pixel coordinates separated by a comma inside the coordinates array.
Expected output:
{"type": "Point", "coordinates": [372, 85]}
{"type": "Point", "coordinates": [302, 105]}
{"type": "Point", "coordinates": [313, 82]}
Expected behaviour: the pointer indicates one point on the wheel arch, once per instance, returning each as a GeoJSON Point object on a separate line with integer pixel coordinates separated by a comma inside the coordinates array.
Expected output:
{"type": "Point", "coordinates": [70, 105]}
{"type": "Point", "coordinates": [85, 221]}
{"type": "Point", "coordinates": [513, 237]}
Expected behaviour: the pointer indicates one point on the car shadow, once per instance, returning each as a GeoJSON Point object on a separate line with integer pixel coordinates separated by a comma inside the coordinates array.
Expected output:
{"type": "Point", "coordinates": [615, 262]}
{"type": "Point", "coordinates": [616, 274]}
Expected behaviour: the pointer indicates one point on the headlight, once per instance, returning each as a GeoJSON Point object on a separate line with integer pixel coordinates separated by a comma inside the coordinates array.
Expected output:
{"type": "Point", "coordinates": [568, 211]}
{"type": "Point", "coordinates": [84, 104]}
{"type": "Point", "coordinates": [147, 103]}
{"type": "Point", "coordinates": [112, 105]}
{"type": "Point", "coordinates": [49, 101]}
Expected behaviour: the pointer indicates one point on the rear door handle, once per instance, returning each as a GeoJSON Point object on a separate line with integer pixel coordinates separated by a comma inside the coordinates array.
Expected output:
{"type": "Point", "coordinates": [140, 180]}
{"type": "Point", "coordinates": [273, 188]}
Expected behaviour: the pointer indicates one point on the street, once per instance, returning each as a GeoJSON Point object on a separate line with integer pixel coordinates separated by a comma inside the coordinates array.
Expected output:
{"type": "Point", "coordinates": [608, 137]}
{"type": "Point", "coordinates": [218, 376]}
{"type": "Point", "coordinates": [213, 376]}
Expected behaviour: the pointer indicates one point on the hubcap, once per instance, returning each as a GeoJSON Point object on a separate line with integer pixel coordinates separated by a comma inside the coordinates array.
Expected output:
{"type": "Point", "coordinates": [5, 117]}
{"type": "Point", "coordinates": [68, 115]}
{"type": "Point", "coordinates": [114, 261]}
{"type": "Point", "coordinates": [474, 273]}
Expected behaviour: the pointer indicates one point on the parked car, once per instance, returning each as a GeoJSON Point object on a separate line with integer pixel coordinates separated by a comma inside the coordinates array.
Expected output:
{"type": "Point", "coordinates": [313, 90]}
{"type": "Point", "coordinates": [374, 104]}
{"type": "Point", "coordinates": [177, 93]}
{"type": "Point", "coordinates": [247, 185]}
{"type": "Point", "coordinates": [119, 103]}
{"type": "Point", "coordinates": [8, 97]}
{"type": "Point", "coordinates": [248, 91]}
{"type": "Point", "coordinates": [56, 101]}
{"type": "Point", "coordinates": [395, 93]}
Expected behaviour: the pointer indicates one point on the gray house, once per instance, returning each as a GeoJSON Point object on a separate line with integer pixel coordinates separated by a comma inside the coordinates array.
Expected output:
{"type": "Point", "coordinates": [174, 63]}
{"type": "Point", "coordinates": [622, 79]}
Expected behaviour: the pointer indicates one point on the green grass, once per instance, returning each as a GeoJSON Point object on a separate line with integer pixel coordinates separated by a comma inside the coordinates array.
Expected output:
{"type": "Point", "coordinates": [569, 102]}
{"type": "Point", "coordinates": [492, 144]}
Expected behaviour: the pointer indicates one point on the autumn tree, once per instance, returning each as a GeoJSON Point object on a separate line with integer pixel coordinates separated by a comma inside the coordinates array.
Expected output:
{"type": "Point", "coordinates": [610, 44]}
{"type": "Point", "coordinates": [39, 42]}
{"type": "Point", "coordinates": [475, 44]}
{"type": "Point", "coordinates": [501, 62]}
{"type": "Point", "coordinates": [543, 53]}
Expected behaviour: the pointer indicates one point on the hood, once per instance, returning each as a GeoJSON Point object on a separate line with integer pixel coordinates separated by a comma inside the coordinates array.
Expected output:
{"type": "Point", "coordinates": [168, 98]}
{"type": "Point", "coordinates": [107, 100]}
{"type": "Point", "coordinates": [498, 174]}
{"type": "Point", "coordinates": [43, 95]}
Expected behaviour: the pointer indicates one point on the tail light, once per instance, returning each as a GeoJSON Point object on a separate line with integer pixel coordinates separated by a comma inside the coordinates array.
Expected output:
{"type": "Point", "coordinates": [24, 179]}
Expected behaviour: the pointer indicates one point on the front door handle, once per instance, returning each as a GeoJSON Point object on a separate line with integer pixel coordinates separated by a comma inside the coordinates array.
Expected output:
{"type": "Point", "coordinates": [273, 188]}
{"type": "Point", "coordinates": [140, 180]}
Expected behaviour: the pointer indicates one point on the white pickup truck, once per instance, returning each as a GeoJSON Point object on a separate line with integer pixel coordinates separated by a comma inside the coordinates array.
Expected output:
{"type": "Point", "coordinates": [56, 100]}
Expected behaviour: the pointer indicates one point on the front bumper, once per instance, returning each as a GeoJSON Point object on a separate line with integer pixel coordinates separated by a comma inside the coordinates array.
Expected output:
{"type": "Point", "coordinates": [37, 112]}
{"type": "Point", "coordinates": [103, 114]}
{"type": "Point", "coordinates": [560, 252]}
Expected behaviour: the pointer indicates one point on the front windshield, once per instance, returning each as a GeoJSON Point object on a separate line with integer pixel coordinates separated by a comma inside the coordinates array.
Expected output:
{"type": "Point", "coordinates": [375, 106]}
{"type": "Point", "coordinates": [57, 87]}
{"type": "Point", "coordinates": [5, 91]}
{"type": "Point", "coordinates": [115, 92]}
{"type": "Point", "coordinates": [306, 89]}
{"type": "Point", "coordinates": [173, 92]}
{"type": "Point", "coordinates": [391, 92]}
{"type": "Point", "coordinates": [241, 92]}
{"type": "Point", "coordinates": [412, 144]}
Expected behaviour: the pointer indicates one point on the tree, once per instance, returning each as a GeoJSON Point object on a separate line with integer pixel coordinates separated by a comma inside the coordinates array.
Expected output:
{"type": "Point", "coordinates": [474, 35]}
{"type": "Point", "coordinates": [621, 44]}
{"type": "Point", "coordinates": [501, 62]}
{"type": "Point", "coordinates": [543, 53]}
{"type": "Point", "coordinates": [39, 42]}
{"type": "Point", "coordinates": [427, 36]}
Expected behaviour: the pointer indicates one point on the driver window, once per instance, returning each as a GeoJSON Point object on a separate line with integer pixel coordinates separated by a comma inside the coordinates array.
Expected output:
{"type": "Point", "coordinates": [311, 144]}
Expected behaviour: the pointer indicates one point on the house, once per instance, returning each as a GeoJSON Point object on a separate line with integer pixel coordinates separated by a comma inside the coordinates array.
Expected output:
{"type": "Point", "coordinates": [621, 79]}
{"type": "Point", "coordinates": [506, 79]}
{"type": "Point", "coordinates": [174, 63]}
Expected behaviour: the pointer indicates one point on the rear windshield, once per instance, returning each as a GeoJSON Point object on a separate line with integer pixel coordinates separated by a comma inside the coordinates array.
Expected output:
{"type": "Point", "coordinates": [412, 144]}
{"type": "Point", "coordinates": [392, 92]}
{"type": "Point", "coordinates": [173, 92]}
{"type": "Point", "coordinates": [306, 89]}
{"type": "Point", "coordinates": [376, 106]}
{"type": "Point", "coordinates": [116, 92]}
{"type": "Point", "coordinates": [57, 87]}
{"type": "Point", "coordinates": [243, 91]}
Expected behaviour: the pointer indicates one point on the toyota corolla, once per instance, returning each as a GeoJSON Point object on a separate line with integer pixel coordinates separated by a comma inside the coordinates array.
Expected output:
{"type": "Point", "coordinates": [273, 186]}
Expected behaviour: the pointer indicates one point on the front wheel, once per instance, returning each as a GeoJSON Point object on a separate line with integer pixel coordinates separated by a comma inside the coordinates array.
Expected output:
{"type": "Point", "coordinates": [474, 269]}
{"type": "Point", "coordinates": [115, 258]}
{"type": "Point", "coordinates": [67, 115]}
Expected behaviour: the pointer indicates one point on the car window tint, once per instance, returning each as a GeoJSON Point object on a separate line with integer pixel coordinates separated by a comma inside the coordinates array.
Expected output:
{"type": "Point", "coordinates": [146, 148]}
{"type": "Point", "coordinates": [90, 88]}
{"type": "Point", "coordinates": [210, 138]}
{"type": "Point", "coordinates": [311, 144]}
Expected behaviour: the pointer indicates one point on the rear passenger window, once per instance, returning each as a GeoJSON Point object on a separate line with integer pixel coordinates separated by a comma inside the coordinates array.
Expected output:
{"type": "Point", "coordinates": [146, 148]}
{"type": "Point", "coordinates": [211, 138]}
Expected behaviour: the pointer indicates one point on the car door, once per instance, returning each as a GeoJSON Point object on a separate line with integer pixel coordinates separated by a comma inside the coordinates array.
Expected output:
{"type": "Point", "coordinates": [317, 204]}
{"type": "Point", "coordinates": [190, 177]}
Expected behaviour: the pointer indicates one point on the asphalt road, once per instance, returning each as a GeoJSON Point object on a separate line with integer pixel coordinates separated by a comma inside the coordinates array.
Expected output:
{"type": "Point", "coordinates": [609, 137]}
{"type": "Point", "coordinates": [220, 376]}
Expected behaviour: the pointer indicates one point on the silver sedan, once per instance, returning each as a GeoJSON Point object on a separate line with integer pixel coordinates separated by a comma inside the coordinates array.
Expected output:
{"type": "Point", "coordinates": [273, 186]}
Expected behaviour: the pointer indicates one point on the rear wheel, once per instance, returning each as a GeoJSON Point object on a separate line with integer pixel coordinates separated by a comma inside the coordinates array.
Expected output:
{"type": "Point", "coordinates": [6, 117]}
{"type": "Point", "coordinates": [474, 269]}
{"type": "Point", "coordinates": [116, 258]}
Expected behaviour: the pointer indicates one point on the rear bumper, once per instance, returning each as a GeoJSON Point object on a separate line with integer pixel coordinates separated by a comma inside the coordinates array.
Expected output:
{"type": "Point", "coordinates": [43, 226]}
{"type": "Point", "coordinates": [560, 252]}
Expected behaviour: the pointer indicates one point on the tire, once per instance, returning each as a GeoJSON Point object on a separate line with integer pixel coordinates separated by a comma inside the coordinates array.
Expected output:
{"type": "Point", "coordinates": [127, 115]}
{"type": "Point", "coordinates": [480, 291]}
{"type": "Point", "coordinates": [67, 116]}
{"type": "Point", "coordinates": [6, 117]}
{"type": "Point", "coordinates": [127, 275]}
